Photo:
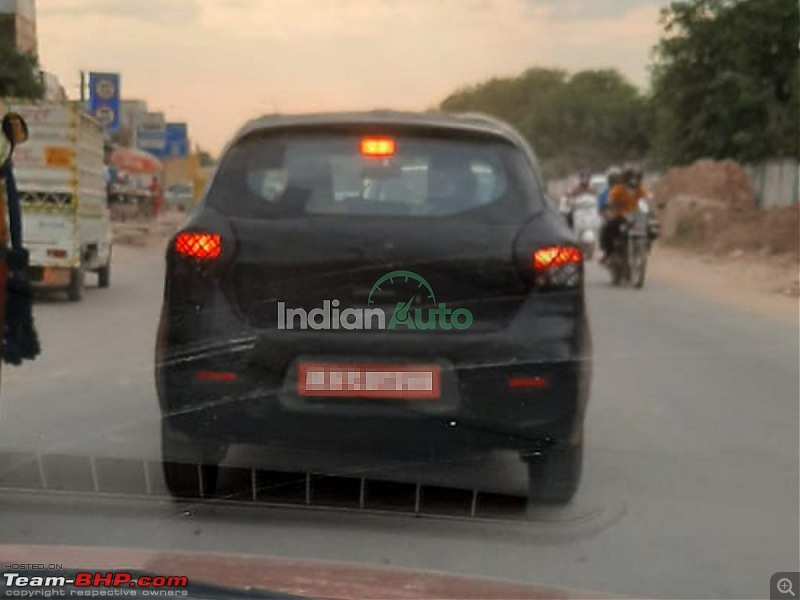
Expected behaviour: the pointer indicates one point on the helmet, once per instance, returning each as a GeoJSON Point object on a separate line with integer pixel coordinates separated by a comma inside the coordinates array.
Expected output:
{"type": "Point", "coordinates": [632, 175]}
{"type": "Point", "coordinates": [614, 176]}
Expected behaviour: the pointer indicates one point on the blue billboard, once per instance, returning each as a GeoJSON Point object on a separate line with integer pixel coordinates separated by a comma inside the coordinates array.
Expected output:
{"type": "Point", "coordinates": [177, 141]}
{"type": "Point", "coordinates": [151, 133]}
{"type": "Point", "coordinates": [104, 99]}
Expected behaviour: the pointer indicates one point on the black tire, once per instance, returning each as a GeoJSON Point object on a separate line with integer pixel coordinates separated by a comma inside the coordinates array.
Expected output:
{"type": "Point", "coordinates": [616, 272]}
{"type": "Point", "coordinates": [190, 467]}
{"type": "Point", "coordinates": [554, 476]}
{"type": "Point", "coordinates": [104, 276]}
{"type": "Point", "coordinates": [76, 282]}
{"type": "Point", "coordinates": [639, 273]}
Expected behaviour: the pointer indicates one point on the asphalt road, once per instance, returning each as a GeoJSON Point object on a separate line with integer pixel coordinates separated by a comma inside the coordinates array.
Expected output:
{"type": "Point", "coordinates": [691, 476]}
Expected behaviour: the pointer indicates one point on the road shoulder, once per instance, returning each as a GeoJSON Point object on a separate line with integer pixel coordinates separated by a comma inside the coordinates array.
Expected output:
{"type": "Point", "coordinates": [755, 284]}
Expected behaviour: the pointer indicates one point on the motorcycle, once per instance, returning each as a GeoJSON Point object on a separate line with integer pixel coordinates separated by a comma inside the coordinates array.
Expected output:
{"type": "Point", "coordinates": [565, 208]}
{"type": "Point", "coordinates": [632, 244]}
{"type": "Point", "coordinates": [586, 223]}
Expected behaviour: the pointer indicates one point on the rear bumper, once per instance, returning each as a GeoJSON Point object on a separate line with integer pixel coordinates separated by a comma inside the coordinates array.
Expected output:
{"type": "Point", "coordinates": [50, 278]}
{"type": "Point", "coordinates": [258, 402]}
{"type": "Point", "coordinates": [481, 412]}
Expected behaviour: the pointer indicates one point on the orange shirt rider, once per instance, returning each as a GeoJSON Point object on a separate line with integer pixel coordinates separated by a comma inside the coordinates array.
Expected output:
{"type": "Point", "coordinates": [624, 200]}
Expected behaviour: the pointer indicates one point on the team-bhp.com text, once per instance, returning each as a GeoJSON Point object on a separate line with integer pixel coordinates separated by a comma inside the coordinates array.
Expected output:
{"type": "Point", "coordinates": [93, 584]}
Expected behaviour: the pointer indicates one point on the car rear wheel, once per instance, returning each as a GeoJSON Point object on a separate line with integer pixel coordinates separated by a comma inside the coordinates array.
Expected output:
{"type": "Point", "coordinates": [76, 282]}
{"type": "Point", "coordinates": [616, 273]}
{"type": "Point", "coordinates": [190, 466]}
{"type": "Point", "coordinates": [104, 275]}
{"type": "Point", "coordinates": [639, 268]}
{"type": "Point", "coordinates": [554, 475]}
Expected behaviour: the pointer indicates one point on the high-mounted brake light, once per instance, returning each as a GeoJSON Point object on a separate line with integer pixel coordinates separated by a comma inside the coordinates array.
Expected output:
{"type": "Point", "coordinates": [202, 246]}
{"type": "Point", "coordinates": [556, 256]}
{"type": "Point", "coordinates": [378, 147]}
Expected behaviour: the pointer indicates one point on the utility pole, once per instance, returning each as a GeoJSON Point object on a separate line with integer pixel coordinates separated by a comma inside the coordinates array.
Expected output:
{"type": "Point", "coordinates": [83, 87]}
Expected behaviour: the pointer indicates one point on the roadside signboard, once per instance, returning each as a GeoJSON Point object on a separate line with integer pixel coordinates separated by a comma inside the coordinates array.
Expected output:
{"type": "Point", "coordinates": [177, 141]}
{"type": "Point", "coordinates": [151, 129]}
{"type": "Point", "coordinates": [104, 99]}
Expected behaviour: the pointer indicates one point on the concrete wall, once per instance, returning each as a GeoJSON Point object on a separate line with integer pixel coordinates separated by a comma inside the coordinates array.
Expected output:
{"type": "Point", "coordinates": [776, 182]}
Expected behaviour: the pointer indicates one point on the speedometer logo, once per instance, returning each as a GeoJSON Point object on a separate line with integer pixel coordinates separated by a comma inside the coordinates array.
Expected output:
{"type": "Point", "coordinates": [405, 276]}
{"type": "Point", "coordinates": [405, 315]}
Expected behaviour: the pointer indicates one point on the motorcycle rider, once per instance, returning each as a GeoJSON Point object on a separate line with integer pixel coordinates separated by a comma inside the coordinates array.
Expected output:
{"type": "Point", "coordinates": [584, 184]}
{"type": "Point", "coordinates": [583, 187]}
{"type": "Point", "coordinates": [623, 200]}
{"type": "Point", "coordinates": [614, 177]}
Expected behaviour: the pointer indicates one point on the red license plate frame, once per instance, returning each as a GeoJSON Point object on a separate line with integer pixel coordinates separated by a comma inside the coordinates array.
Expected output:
{"type": "Point", "coordinates": [368, 380]}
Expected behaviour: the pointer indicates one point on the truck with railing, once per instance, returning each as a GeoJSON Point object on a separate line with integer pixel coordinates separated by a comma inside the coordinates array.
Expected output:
{"type": "Point", "coordinates": [61, 177]}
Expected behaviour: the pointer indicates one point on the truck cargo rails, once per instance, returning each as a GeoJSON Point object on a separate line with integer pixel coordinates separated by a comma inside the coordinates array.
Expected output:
{"type": "Point", "coordinates": [61, 177]}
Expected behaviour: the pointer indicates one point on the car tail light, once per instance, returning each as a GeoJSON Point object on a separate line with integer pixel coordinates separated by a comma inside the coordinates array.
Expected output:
{"type": "Point", "coordinates": [198, 245]}
{"type": "Point", "coordinates": [378, 147]}
{"type": "Point", "coordinates": [558, 266]}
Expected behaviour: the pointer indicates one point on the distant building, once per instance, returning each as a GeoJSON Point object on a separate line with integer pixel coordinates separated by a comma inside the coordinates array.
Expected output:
{"type": "Point", "coordinates": [18, 24]}
{"type": "Point", "coordinates": [131, 112]}
{"type": "Point", "coordinates": [53, 90]}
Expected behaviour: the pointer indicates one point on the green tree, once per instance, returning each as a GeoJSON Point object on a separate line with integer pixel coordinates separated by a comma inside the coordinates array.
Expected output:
{"type": "Point", "coordinates": [589, 119]}
{"type": "Point", "coordinates": [726, 81]}
{"type": "Point", "coordinates": [204, 158]}
{"type": "Point", "coordinates": [607, 119]}
{"type": "Point", "coordinates": [19, 73]}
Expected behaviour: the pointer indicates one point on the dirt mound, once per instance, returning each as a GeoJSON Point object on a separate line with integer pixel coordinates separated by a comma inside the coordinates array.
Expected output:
{"type": "Point", "coordinates": [724, 181]}
{"type": "Point", "coordinates": [687, 217]}
{"type": "Point", "coordinates": [710, 207]}
{"type": "Point", "coordinates": [767, 232]}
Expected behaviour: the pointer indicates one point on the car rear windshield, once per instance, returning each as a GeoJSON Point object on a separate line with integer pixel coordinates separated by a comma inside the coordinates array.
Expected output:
{"type": "Point", "coordinates": [285, 174]}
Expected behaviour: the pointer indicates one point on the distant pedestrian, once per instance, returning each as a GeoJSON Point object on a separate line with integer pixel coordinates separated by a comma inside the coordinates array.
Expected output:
{"type": "Point", "coordinates": [157, 196]}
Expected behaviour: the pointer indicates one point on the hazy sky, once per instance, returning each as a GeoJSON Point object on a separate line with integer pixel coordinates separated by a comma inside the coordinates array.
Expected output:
{"type": "Point", "coordinates": [217, 63]}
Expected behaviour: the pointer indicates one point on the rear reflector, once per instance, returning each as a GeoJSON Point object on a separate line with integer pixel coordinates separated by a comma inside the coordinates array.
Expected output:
{"type": "Point", "coordinates": [556, 256]}
{"type": "Point", "coordinates": [203, 246]}
{"type": "Point", "coordinates": [528, 382]}
{"type": "Point", "coordinates": [216, 376]}
{"type": "Point", "coordinates": [378, 147]}
{"type": "Point", "coordinates": [53, 253]}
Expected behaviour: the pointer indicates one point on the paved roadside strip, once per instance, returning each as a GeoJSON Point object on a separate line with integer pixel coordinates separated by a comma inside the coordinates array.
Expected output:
{"type": "Point", "coordinates": [757, 284]}
{"type": "Point", "coordinates": [138, 234]}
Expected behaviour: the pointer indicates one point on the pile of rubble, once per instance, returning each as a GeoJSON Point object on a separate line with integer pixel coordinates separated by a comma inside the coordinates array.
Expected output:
{"type": "Point", "coordinates": [711, 207]}
{"type": "Point", "coordinates": [724, 181]}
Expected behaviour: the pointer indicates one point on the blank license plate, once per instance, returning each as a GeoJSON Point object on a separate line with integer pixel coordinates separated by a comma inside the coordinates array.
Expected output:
{"type": "Point", "coordinates": [402, 382]}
